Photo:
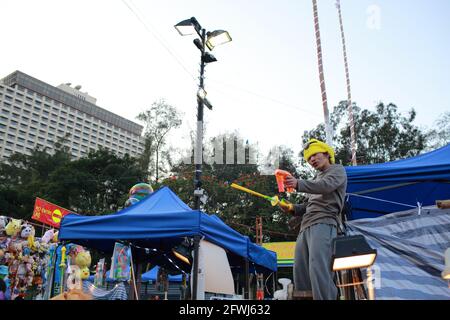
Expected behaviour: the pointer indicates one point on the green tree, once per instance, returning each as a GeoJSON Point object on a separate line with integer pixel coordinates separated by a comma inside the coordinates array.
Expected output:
{"type": "Point", "coordinates": [439, 136]}
{"type": "Point", "coordinates": [237, 209]}
{"type": "Point", "coordinates": [24, 177]}
{"type": "Point", "coordinates": [94, 184]}
{"type": "Point", "coordinates": [159, 120]}
{"type": "Point", "coordinates": [381, 135]}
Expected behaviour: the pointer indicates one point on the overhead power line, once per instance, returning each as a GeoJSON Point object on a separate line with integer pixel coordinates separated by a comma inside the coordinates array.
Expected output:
{"type": "Point", "coordinates": [159, 39]}
{"type": "Point", "coordinates": [136, 12]}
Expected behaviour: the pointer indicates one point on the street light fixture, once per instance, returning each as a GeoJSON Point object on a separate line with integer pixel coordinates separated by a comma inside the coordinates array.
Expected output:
{"type": "Point", "coordinates": [352, 252]}
{"type": "Point", "coordinates": [207, 40]}
{"type": "Point", "coordinates": [188, 27]}
{"type": "Point", "coordinates": [215, 38]}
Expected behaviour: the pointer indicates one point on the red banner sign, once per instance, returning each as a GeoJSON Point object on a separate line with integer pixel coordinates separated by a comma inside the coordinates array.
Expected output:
{"type": "Point", "coordinates": [48, 213]}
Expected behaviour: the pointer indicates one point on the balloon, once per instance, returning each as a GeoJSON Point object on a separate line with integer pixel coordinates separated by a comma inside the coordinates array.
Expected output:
{"type": "Point", "coordinates": [131, 201]}
{"type": "Point", "coordinates": [141, 189]}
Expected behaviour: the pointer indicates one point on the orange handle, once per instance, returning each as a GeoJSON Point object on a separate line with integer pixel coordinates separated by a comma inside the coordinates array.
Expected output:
{"type": "Point", "coordinates": [281, 175]}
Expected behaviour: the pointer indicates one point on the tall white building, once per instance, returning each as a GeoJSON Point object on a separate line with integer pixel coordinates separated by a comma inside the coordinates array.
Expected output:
{"type": "Point", "coordinates": [34, 113]}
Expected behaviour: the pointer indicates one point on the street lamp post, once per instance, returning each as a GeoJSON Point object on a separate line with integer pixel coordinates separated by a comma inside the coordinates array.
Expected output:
{"type": "Point", "coordinates": [207, 40]}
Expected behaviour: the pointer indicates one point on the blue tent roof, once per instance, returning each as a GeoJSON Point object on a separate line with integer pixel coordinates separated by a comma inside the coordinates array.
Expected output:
{"type": "Point", "coordinates": [150, 275]}
{"type": "Point", "coordinates": [160, 217]}
{"type": "Point", "coordinates": [400, 184]}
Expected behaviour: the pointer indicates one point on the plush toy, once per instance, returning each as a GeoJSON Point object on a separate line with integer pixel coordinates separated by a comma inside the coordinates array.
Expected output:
{"type": "Point", "coordinates": [26, 231]}
{"type": "Point", "coordinates": [55, 237]}
{"type": "Point", "coordinates": [13, 227]}
{"type": "Point", "coordinates": [48, 235]}
{"type": "Point", "coordinates": [283, 293]}
{"type": "Point", "coordinates": [15, 247]}
{"type": "Point", "coordinates": [83, 261]}
{"type": "Point", "coordinates": [3, 223]}
{"type": "Point", "coordinates": [4, 242]}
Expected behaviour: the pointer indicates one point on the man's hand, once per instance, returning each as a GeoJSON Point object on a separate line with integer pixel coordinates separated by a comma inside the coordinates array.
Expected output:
{"type": "Point", "coordinates": [290, 182]}
{"type": "Point", "coordinates": [286, 206]}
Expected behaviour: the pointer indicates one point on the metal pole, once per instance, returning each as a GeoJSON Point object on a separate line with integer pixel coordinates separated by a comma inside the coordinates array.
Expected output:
{"type": "Point", "coordinates": [349, 95]}
{"type": "Point", "coordinates": [328, 130]}
{"type": "Point", "coordinates": [247, 280]}
{"type": "Point", "coordinates": [195, 271]}
{"type": "Point", "coordinates": [198, 154]}
{"type": "Point", "coordinates": [370, 288]}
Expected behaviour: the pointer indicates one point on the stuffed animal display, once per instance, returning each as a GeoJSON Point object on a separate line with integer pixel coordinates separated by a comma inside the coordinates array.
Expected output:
{"type": "Point", "coordinates": [24, 257]}
{"type": "Point", "coordinates": [83, 261]}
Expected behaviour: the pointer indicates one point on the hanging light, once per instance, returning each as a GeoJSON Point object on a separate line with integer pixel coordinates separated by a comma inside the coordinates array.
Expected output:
{"type": "Point", "coordinates": [216, 38]}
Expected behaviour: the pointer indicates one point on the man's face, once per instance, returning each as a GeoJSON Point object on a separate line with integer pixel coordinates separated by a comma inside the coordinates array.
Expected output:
{"type": "Point", "coordinates": [319, 161]}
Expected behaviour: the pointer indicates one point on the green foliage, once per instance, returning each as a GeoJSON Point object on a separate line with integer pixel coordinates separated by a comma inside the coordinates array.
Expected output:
{"type": "Point", "coordinates": [236, 208]}
{"type": "Point", "coordinates": [439, 136]}
{"type": "Point", "coordinates": [95, 184]}
{"type": "Point", "coordinates": [159, 120]}
{"type": "Point", "coordinates": [381, 135]}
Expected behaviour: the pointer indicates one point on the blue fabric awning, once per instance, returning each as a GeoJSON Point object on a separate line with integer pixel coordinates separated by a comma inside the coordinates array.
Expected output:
{"type": "Point", "coordinates": [160, 218]}
{"type": "Point", "coordinates": [399, 185]}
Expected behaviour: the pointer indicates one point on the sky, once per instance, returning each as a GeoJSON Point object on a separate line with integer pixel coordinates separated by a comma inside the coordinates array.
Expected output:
{"type": "Point", "coordinates": [265, 84]}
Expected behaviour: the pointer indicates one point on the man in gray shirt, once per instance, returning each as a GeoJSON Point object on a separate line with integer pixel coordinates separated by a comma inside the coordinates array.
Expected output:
{"type": "Point", "coordinates": [320, 219]}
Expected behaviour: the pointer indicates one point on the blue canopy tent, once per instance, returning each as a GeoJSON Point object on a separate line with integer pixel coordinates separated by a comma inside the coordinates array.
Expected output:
{"type": "Point", "coordinates": [150, 275]}
{"type": "Point", "coordinates": [160, 221]}
{"type": "Point", "coordinates": [378, 189]}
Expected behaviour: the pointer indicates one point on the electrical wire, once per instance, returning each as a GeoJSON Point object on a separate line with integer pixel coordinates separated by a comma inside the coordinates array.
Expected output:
{"type": "Point", "coordinates": [153, 32]}
{"type": "Point", "coordinates": [158, 38]}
